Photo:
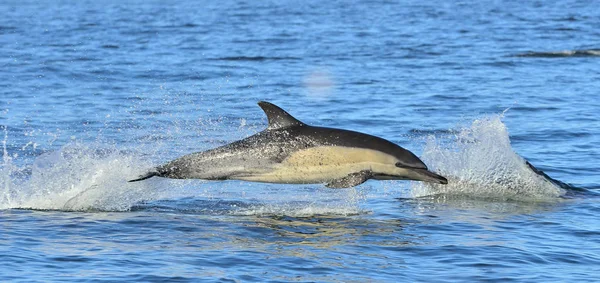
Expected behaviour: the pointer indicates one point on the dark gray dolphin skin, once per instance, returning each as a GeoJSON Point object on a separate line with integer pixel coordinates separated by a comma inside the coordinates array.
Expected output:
{"type": "Point", "coordinates": [292, 152]}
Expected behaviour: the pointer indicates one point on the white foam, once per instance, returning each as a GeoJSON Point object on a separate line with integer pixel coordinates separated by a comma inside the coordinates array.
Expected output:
{"type": "Point", "coordinates": [479, 162]}
{"type": "Point", "coordinates": [78, 177]}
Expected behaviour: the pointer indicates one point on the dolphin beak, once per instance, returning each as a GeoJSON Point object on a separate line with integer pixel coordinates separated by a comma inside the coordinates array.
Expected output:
{"type": "Point", "coordinates": [428, 176]}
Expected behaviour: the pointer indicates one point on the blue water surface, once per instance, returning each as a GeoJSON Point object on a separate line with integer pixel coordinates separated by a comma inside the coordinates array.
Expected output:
{"type": "Point", "coordinates": [94, 93]}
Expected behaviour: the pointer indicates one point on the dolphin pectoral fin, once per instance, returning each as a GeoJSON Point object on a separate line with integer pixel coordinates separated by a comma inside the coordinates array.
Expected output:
{"type": "Point", "coordinates": [351, 180]}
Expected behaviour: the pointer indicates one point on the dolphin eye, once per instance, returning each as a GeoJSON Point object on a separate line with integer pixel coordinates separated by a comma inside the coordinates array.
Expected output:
{"type": "Point", "coordinates": [400, 165]}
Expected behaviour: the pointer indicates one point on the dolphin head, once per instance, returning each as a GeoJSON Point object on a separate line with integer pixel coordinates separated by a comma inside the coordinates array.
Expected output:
{"type": "Point", "coordinates": [408, 166]}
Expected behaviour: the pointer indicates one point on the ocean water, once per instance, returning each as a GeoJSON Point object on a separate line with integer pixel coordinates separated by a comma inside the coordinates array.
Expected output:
{"type": "Point", "coordinates": [93, 93]}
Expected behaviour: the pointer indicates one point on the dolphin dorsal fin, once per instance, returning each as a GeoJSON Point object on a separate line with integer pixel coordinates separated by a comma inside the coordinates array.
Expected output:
{"type": "Point", "coordinates": [278, 118]}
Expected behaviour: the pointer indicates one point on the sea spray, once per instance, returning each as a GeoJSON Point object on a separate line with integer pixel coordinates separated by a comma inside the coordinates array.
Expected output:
{"type": "Point", "coordinates": [479, 162]}
{"type": "Point", "coordinates": [80, 177]}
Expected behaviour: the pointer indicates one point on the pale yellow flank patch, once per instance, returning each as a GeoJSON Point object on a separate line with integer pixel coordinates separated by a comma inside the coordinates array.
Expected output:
{"type": "Point", "coordinates": [326, 163]}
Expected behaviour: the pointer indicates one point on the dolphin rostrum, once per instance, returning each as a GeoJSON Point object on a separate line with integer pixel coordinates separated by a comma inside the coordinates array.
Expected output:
{"type": "Point", "coordinates": [292, 152]}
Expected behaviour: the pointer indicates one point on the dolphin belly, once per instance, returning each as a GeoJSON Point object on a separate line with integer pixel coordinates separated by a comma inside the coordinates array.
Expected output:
{"type": "Point", "coordinates": [302, 174]}
{"type": "Point", "coordinates": [324, 163]}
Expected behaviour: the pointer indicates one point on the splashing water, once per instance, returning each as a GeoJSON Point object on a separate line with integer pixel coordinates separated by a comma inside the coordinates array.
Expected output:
{"type": "Point", "coordinates": [480, 163]}
{"type": "Point", "coordinates": [77, 177]}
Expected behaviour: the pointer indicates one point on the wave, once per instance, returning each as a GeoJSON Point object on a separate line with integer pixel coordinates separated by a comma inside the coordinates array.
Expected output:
{"type": "Point", "coordinates": [560, 54]}
{"type": "Point", "coordinates": [479, 162]}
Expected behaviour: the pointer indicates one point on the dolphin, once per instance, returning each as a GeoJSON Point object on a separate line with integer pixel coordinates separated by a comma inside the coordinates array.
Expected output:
{"type": "Point", "coordinates": [292, 152]}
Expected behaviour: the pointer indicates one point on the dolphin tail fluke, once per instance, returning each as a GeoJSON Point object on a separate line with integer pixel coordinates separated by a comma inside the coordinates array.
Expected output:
{"type": "Point", "coordinates": [145, 176]}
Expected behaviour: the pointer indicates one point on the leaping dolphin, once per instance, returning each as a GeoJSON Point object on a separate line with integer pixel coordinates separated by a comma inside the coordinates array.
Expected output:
{"type": "Point", "coordinates": [292, 152]}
